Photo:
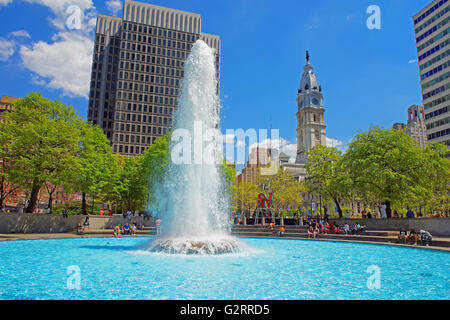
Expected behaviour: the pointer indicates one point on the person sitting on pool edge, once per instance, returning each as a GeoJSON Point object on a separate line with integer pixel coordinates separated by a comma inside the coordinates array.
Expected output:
{"type": "Point", "coordinates": [401, 236]}
{"type": "Point", "coordinates": [126, 229]}
{"type": "Point", "coordinates": [412, 237]}
{"type": "Point", "coordinates": [116, 232]}
{"type": "Point", "coordinates": [80, 229]}
{"type": "Point", "coordinates": [425, 237]}
{"type": "Point", "coordinates": [311, 232]}
{"type": "Point", "coordinates": [281, 231]}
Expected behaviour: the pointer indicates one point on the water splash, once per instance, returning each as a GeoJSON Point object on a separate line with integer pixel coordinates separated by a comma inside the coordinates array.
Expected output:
{"type": "Point", "coordinates": [193, 199]}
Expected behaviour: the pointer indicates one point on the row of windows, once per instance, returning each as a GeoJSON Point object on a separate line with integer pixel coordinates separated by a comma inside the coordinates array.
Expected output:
{"type": "Point", "coordinates": [111, 78]}
{"type": "Point", "coordinates": [132, 55]}
{"type": "Point", "coordinates": [435, 49]}
{"type": "Point", "coordinates": [436, 91]}
{"type": "Point", "coordinates": [437, 102]}
{"type": "Point", "coordinates": [110, 86]}
{"type": "Point", "coordinates": [150, 59]}
{"type": "Point", "coordinates": [160, 32]}
{"type": "Point", "coordinates": [435, 70]}
{"type": "Point", "coordinates": [127, 127]}
{"type": "Point", "coordinates": [135, 139]}
{"type": "Point", "coordinates": [434, 60]}
{"type": "Point", "coordinates": [125, 75]}
{"type": "Point", "coordinates": [147, 88]}
{"type": "Point", "coordinates": [138, 118]}
{"type": "Point", "coordinates": [155, 50]}
{"type": "Point", "coordinates": [145, 98]}
{"type": "Point", "coordinates": [143, 108]}
{"type": "Point", "coordinates": [100, 49]}
{"type": "Point", "coordinates": [151, 69]}
{"type": "Point", "coordinates": [430, 11]}
{"type": "Point", "coordinates": [438, 123]}
{"type": "Point", "coordinates": [433, 40]}
{"type": "Point", "coordinates": [436, 113]}
{"type": "Point", "coordinates": [434, 29]}
{"type": "Point", "coordinates": [435, 81]}
{"type": "Point", "coordinates": [433, 19]}
{"type": "Point", "coordinates": [439, 134]}
{"type": "Point", "coordinates": [156, 41]}
{"type": "Point", "coordinates": [114, 41]}
{"type": "Point", "coordinates": [130, 149]}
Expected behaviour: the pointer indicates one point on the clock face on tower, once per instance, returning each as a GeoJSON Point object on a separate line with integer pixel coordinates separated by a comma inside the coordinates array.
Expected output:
{"type": "Point", "coordinates": [315, 101]}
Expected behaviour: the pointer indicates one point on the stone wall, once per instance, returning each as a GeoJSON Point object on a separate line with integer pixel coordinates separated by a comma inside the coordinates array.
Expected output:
{"type": "Point", "coordinates": [436, 226]}
{"type": "Point", "coordinates": [48, 223]}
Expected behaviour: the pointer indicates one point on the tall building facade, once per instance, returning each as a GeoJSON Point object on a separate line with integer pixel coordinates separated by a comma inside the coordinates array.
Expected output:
{"type": "Point", "coordinates": [310, 114]}
{"type": "Point", "coordinates": [415, 126]}
{"type": "Point", "coordinates": [432, 41]}
{"type": "Point", "coordinates": [137, 70]}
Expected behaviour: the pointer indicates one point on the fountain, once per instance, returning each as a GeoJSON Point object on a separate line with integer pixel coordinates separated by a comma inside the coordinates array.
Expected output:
{"type": "Point", "coordinates": [193, 199]}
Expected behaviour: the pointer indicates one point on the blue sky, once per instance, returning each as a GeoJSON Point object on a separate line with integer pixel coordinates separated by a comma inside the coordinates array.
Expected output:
{"type": "Point", "coordinates": [369, 77]}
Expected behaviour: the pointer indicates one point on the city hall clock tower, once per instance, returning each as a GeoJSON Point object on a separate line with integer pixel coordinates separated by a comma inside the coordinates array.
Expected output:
{"type": "Point", "coordinates": [310, 114]}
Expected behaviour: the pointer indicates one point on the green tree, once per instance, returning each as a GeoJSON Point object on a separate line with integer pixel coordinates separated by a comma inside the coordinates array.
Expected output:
{"type": "Point", "coordinates": [153, 162]}
{"type": "Point", "coordinates": [41, 141]}
{"type": "Point", "coordinates": [96, 168]}
{"type": "Point", "coordinates": [286, 190]}
{"type": "Point", "coordinates": [389, 166]}
{"type": "Point", "coordinates": [326, 175]}
{"type": "Point", "coordinates": [247, 195]}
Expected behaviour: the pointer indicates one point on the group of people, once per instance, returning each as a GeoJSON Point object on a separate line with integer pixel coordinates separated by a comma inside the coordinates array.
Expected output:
{"type": "Point", "coordinates": [413, 237]}
{"type": "Point", "coordinates": [125, 230]}
{"type": "Point", "coordinates": [323, 226]}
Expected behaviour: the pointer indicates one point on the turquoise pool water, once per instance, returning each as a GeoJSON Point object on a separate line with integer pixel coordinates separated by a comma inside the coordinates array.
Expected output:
{"type": "Point", "coordinates": [273, 269]}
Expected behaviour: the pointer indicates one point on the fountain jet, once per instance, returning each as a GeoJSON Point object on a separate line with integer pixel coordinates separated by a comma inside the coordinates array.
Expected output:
{"type": "Point", "coordinates": [193, 199]}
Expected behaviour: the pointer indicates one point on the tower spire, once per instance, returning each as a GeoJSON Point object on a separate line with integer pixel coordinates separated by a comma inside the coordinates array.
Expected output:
{"type": "Point", "coordinates": [307, 56]}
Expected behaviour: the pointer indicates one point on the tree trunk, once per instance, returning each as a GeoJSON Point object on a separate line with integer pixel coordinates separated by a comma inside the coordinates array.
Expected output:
{"type": "Point", "coordinates": [388, 209]}
{"type": "Point", "coordinates": [33, 197]}
{"type": "Point", "coordinates": [50, 201]}
{"type": "Point", "coordinates": [83, 203]}
{"type": "Point", "coordinates": [50, 197]}
{"type": "Point", "coordinates": [338, 206]}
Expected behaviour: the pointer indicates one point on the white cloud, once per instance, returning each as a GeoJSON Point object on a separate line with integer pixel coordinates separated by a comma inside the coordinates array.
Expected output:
{"type": "Point", "coordinates": [9, 45]}
{"type": "Point", "coordinates": [115, 6]}
{"type": "Point", "coordinates": [64, 64]}
{"type": "Point", "coordinates": [333, 142]}
{"type": "Point", "coordinates": [280, 144]}
{"type": "Point", "coordinates": [7, 49]}
{"type": "Point", "coordinates": [412, 61]}
{"type": "Point", "coordinates": [20, 34]}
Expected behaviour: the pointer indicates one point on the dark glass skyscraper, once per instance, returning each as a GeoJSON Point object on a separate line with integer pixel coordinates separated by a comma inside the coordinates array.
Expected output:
{"type": "Point", "coordinates": [137, 71]}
